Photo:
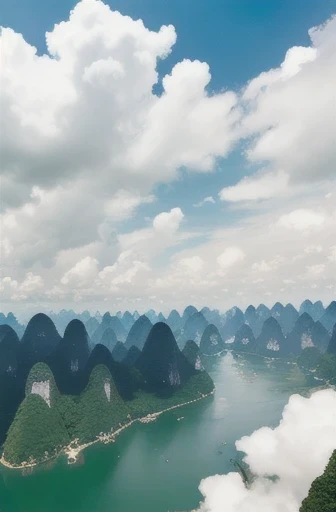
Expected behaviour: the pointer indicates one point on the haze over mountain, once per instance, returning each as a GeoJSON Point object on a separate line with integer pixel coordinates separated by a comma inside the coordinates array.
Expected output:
{"type": "Point", "coordinates": [109, 338]}
{"type": "Point", "coordinates": [307, 333]}
{"type": "Point", "coordinates": [138, 332]}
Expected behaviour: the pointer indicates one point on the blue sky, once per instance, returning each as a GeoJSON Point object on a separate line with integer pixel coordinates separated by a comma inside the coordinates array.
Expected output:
{"type": "Point", "coordinates": [239, 40]}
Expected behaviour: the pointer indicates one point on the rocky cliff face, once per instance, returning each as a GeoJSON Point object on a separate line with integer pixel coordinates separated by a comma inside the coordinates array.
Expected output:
{"type": "Point", "coordinates": [244, 340]}
{"type": "Point", "coordinates": [211, 341]}
{"type": "Point", "coordinates": [41, 382]}
{"type": "Point", "coordinates": [271, 342]}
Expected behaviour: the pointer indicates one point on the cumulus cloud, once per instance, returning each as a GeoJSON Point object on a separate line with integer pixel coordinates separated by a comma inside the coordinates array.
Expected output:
{"type": "Point", "coordinates": [89, 121]}
{"type": "Point", "coordinates": [127, 267]}
{"type": "Point", "coordinates": [290, 451]}
{"type": "Point", "coordinates": [82, 273]}
{"type": "Point", "coordinates": [291, 110]}
{"type": "Point", "coordinates": [230, 257]}
{"type": "Point", "coordinates": [82, 141]}
{"type": "Point", "coordinates": [168, 221]}
{"type": "Point", "coordinates": [289, 120]}
{"type": "Point", "coordinates": [16, 291]}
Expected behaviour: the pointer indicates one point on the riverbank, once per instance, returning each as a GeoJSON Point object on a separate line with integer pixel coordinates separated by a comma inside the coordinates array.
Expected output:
{"type": "Point", "coordinates": [73, 450]}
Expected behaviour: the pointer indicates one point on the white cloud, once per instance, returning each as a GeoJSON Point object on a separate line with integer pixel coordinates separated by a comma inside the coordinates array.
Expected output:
{"type": "Point", "coordinates": [31, 283]}
{"type": "Point", "coordinates": [301, 220]}
{"type": "Point", "coordinates": [332, 255]}
{"type": "Point", "coordinates": [195, 263]}
{"type": "Point", "coordinates": [208, 199]}
{"type": "Point", "coordinates": [289, 451]}
{"type": "Point", "coordinates": [230, 257]}
{"type": "Point", "coordinates": [11, 289]}
{"type": "Point", "coordinates": [83, 273]}
{"type": "Point", "coordinates": [168, 222]}
{"type": "Point", "coordinates": [261, 186]}
{"type": "Point", "coordinates": [267, 266]}
{"type": "Point", "coordinates": [94, 60]}
{"type": "Point", "coordinates": [291, 110]}
{"type": "Point", "coordinates": [127, 267]}
{"type": "Point", "coordinates": [79, 134]}
{"type": "Point", "coordinates": [123, 203]}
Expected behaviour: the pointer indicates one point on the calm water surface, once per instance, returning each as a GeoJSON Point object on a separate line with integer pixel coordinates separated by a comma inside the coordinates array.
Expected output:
{"type": "Point", "coordinates": [132, 475]}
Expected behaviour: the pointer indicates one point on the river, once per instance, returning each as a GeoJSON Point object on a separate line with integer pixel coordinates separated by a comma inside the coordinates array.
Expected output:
{"type": "Point", "coordinates": [133, 475]}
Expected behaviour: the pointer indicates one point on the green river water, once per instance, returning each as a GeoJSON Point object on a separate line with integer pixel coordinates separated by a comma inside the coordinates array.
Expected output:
{"type": "Point", "coordinates": [133, 475]}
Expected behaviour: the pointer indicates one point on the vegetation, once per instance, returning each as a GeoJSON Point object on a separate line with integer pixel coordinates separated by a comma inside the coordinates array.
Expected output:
{"type": "Point", "coordinates": [327, 367]}
{"type": "Point", "coordinates": [98, 394]}
{"type": "Point", "coordinates": [149, 403]}
{"type": "Point", "coordinates": [36, 433]}
{"type": "Point", "coordinates": [309, 358]}
{"type": "Point", "coordinates": [100, 408]}
{"type": "Point", "coordinates": [322, 494]}
{"type": "Point", "coordinates": [192, 352]}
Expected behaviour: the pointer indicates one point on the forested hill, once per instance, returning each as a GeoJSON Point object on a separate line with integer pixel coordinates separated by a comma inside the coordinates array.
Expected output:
{"type": "Point", "coordinates": [56, 391]}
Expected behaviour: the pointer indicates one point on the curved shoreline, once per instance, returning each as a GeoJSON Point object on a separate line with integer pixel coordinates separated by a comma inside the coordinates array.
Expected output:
{"type": "Point", "coordinates": [72, 452]}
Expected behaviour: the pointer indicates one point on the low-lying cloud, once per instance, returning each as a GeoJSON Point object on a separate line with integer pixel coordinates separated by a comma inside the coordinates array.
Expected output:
{"type": "Point", "coordinates": [296, 451]}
